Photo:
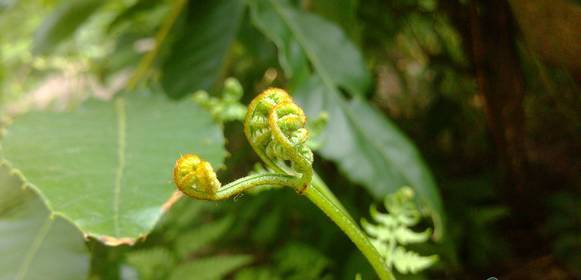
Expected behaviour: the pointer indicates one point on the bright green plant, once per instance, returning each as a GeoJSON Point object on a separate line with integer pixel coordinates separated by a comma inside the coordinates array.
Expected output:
{"type": "Point", "coordinates": [275, 127]}
{"type": "Point", "coordinates": [227, 108]}
{"type": "Point", "coordinates": [173, 261]}
{"type": "Point", "coordinates": [393, 231]}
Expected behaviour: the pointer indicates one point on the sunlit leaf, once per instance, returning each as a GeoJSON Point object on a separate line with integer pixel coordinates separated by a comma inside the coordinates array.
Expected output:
{"type": "Point", "coordinates": [411, 262]}
{"type": "Point", "coordinates": [107, 166]}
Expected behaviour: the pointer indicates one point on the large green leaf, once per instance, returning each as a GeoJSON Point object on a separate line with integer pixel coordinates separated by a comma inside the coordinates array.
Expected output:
{"type": "Point", "coordinates": [342, 13]}
{"type": "Point", "coordinates": [35, 245]}
{"type": "Point", "coordinates": [107, 165]}
{"type": "Point", "coordinates": [198, 55]}
{"type": "Point", "coordinates": [62, 23]}
{"type": "Point", "coordinates": [333, 57]}
{"type": "Point", "coordinates": [368, 148]}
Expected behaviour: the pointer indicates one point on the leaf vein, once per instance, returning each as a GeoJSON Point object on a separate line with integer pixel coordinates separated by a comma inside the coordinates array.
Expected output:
{"type": "Point", "coordinates": [36, 243]}
{"type": "Point", "coordinates": [121, 149]}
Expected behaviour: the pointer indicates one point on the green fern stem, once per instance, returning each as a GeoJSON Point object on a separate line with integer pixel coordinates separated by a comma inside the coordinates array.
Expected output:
{"type": "Point", "coordinates": [346, 224]}
{"type": "Point", "coordinates": [318, 183]}
{"type": "Point", "coordinates": [241, 185]}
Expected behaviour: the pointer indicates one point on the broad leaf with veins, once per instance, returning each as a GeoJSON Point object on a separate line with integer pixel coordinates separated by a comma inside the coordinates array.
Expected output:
{"type": "Point", "coordinates": [106, 166]}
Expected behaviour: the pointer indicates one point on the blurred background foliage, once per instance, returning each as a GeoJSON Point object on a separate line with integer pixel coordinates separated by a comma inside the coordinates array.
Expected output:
{"type": "Point", "coordinates": [474, 104]}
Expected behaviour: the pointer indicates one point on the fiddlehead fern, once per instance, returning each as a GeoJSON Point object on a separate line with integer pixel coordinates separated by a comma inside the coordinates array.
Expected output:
{"type": "Point", "coordinates": [196, 178]}
{"type": "Point", "coordinates": [275, 127]}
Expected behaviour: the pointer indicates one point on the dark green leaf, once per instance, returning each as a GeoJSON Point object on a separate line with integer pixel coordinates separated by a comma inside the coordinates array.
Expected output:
{"type": "Point", "coordinates": [62, 23]}
{"type": "Point", "coordinates": [198, 55]}
{"type": "Point", "coordinates": [189, 242]}
{"type": "Point", "coordinates": [152, 263]}
{"type": "Point", "coordinates": [301, 261]}
{"type": "Point", "coordinates": [131, 11]}
{"type": "Point", "coordinates": [342, 13]}
{"type": "Point", "coordinates": [210, 268]}
{"type": "Point", "coordinates": [368, 148]}
{"type": "Point", "coordinates": [298, 34]}
{"type": "Point", "coordinates": [107, 165]}
{"type": "Point", "coordinates": [257, 273]}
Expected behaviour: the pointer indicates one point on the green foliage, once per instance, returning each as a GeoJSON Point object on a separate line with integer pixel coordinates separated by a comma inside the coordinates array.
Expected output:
{"type": "Point", "coordinates": [35, 244]}
{"type": "Point", "coordinates": [209, 268]}
{"type": "Point", "coordinates": [299, 261]}
{"type": "Point", "coordinates": [304, 38]}
{"type": "Point", "coordinates": [62, 23]}
{"type": "Point", "coordinates": [225, 109]}
{"type": "Point", "coordinates": [410, 262]}
{"type": "Point", "coordinates": [187, 255]}
{"type": "Point", "coordinates": [154, 263]}
{"type": "Point", "coordinates": [293, 261]}
{"type": "Point", "coordinates": [379, 81]}
{"type": "Point", "coordinates": [114, 158]}
{"type": "Point", "coordinates": [257, 273]}
{"type": "Point", "coordinates": [140, 6]}
{"type": "Point", "coordinates": [198, 54]}
{"type": "Point", "coordinates": [159, 263]}
{"type": "Point", "coordinates": [369, 143]}
{"type": "Point", "coordinates": [393, 231]}
{"type": "Point", "coordinates": [564, 223]}
{"type": "Point", "coordinates": [477, 226]}
{"type": "Point", "coordinates": [196, 239]}
{"type": "Point", "coordinates": [316, 128]}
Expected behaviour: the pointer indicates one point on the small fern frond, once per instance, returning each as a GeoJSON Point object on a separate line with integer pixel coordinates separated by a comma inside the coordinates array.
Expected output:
{"type": "Point", "coordinates": [410, 262]}
{"type": "Point", "coordinates": [228, 107]}
{"type": "Point", "coordinates": [406, 236]}
{"type": "Point", "coordinates": [393, 230]}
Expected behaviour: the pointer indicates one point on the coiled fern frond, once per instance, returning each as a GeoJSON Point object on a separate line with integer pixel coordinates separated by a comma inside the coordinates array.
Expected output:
{"type": "Point", "coordinates": [275, 127]}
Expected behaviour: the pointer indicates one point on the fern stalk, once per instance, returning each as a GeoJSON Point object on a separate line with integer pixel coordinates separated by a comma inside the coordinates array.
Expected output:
{"type": "Point", "coordinates": [346, 224]}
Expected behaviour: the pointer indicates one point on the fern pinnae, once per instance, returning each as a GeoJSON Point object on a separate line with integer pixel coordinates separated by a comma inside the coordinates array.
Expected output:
{"type": "Point", "coordinates": [393, 230]}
